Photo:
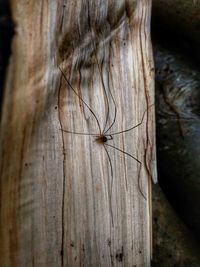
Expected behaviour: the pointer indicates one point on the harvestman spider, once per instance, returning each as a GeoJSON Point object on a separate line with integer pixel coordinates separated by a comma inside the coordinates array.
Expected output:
{"type": "Point", "coordinates": [103, 136]}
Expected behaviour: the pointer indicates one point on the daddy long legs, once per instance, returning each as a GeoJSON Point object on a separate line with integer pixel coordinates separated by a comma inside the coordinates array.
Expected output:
{"type": "Point", "coordinates": [104, 136]}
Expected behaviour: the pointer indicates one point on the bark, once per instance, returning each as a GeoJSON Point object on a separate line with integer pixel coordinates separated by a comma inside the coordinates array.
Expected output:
{"type": "Point", "coordinates": [65, 199]}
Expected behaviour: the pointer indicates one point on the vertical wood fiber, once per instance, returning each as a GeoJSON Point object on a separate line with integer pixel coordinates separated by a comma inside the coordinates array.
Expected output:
{"type": "Point", "coordinates": [60, 203]}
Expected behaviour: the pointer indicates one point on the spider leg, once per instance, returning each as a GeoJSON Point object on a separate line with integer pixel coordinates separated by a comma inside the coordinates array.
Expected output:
{"type": "Point", "coordinates": [110, 186]}
{"type": "Point", "coordinates": [100, 73]}
{"type": "Point", "coordinates": [115, 113]}
{"type": "Point", "coordinates": [66, 131]}
{"type": "Point", "coordinates": [109, 137]}
{"type": "Point", "coordinates": [135, 126]}
{"type": "Point", "coordinates": [140, 163]}
{"type": "Point", "coordinates": [69, 84]}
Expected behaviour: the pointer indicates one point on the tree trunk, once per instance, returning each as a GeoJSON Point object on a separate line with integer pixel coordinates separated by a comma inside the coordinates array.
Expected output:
{"type": "Point", "coordinates": [69, 198]}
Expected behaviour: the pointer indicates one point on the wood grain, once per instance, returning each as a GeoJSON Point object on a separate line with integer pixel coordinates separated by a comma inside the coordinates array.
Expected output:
{"type": "Point", "coordinates": [59, 206]}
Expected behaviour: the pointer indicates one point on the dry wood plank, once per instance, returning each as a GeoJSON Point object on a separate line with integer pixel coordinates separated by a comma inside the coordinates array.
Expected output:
{"type": "Point", "coordinates": [60, 203]}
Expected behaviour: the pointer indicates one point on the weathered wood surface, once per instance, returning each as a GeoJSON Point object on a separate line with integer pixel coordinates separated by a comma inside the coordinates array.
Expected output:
{"type": "Point", "coordinates": [56, 200]}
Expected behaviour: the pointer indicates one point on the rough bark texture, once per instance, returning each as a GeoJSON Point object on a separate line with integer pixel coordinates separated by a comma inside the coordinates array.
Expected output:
{"type": "Point", "coordinates": [65, 199]}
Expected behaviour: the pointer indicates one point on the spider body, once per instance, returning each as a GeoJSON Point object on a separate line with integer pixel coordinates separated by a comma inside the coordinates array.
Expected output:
{"type": "Point", "coordinates": [102, 139]}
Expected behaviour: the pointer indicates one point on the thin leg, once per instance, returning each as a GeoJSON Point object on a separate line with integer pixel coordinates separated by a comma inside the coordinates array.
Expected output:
{"type": "Point", "coordinates": [100, 72]}
{"type": "Point", "coordinates": [111, 185]}
{"type": "Point", "coordinates": [135, 126]}
{"type": "Point", "coordinates": [115, 112]}
{"type": "Point", "coordinates": [104, 89]}
{"type": "Point", "coordinates": [69, 84]}
{"type": "Point", "coordinates": [139, 186]}
{"type": "Point", "coordinates": [105, 93]}
{"type": "Point", "coordinates": [109, 137]}
{"type": "Point", "coordinates": [78, 133]}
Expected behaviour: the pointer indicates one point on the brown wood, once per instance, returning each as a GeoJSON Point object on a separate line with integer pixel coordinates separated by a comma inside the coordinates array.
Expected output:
{"type": "Point", "coordinates": [57, 208]}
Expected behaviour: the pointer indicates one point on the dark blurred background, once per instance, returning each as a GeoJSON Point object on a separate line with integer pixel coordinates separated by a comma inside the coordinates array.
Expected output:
{"type": "Point", "coordinates": [6, 33]}
{"type": "Point", "coordinates": [176, 200]}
